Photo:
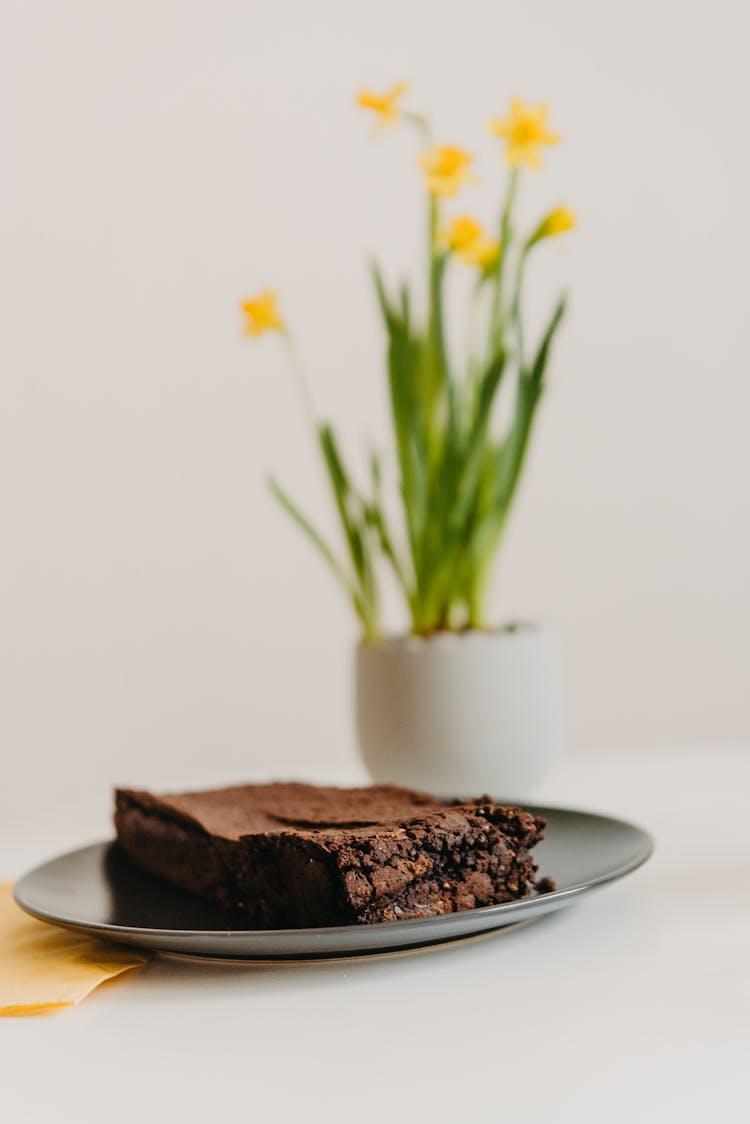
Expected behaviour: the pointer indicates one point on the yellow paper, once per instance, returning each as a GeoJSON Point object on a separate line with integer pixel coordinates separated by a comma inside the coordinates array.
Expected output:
{"type": "Point", "coordinates": [43, 968]}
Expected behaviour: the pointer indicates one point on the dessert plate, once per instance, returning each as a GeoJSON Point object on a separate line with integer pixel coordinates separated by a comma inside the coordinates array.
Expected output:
{"type": "Point", "coordinates": [96, 890]}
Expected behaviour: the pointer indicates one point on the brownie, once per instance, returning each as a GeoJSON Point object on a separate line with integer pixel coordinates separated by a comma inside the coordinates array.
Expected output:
{"type": "Point", "coordinates": [296, 855]}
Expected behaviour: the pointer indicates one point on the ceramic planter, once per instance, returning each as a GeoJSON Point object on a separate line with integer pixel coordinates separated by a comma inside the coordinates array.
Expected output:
{"type": "Point", "coordinates": [461, 713]}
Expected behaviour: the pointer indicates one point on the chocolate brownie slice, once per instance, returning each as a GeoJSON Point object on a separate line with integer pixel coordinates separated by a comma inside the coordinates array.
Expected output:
{"type": "Point", "coordinates": [296, 855]}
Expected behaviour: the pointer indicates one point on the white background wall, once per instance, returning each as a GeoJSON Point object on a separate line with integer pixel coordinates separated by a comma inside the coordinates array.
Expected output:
{"type": "Point", "coordinates": [161, 621]}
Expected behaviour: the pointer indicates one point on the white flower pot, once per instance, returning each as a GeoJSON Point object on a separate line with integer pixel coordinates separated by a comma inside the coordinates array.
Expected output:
{"type": "Point", "coordinates": [461, 713]}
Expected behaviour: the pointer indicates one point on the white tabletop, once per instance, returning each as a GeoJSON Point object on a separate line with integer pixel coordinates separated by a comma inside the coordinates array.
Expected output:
{"type": "Point", "coordinates": [632, 1006]}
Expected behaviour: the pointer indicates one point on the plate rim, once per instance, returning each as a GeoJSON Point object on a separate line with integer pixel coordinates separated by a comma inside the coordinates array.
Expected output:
{"type": "Point", "coordinates": [518, 906]}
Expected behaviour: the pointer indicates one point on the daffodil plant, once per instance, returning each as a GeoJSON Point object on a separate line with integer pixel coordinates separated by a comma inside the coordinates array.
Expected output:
{"type": "Point", "coordinates": [458, 467]}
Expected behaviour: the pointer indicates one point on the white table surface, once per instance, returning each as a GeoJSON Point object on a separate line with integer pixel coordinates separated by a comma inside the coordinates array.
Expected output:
{"type": "Point", "coordinates": [632, 1006]}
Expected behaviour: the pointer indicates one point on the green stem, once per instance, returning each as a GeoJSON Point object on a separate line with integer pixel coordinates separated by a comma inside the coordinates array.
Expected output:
{"type": "Point", "coordinates": [472, 322]}
{"type": "Point", "coordinates": [300, 381]}
{"type": "Point", "coordinates": [474, 611]}
{"type": "Point", "coordinates": [516, 309]}
{"type": "Point", "coordinates": [506, 235]}
{"type": "Point", "coordinates": [421, 124]}
{"type": "Point", "coordinates": [443, 389]}
{"type": "Point", "coordinates": [433, 261]}
{"type": "Point", "coordinates": [362, 610]}
{"type": "Point", "coordinates": [363, 591]}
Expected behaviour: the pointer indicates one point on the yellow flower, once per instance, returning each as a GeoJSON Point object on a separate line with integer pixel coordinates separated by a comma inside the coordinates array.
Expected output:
{"type": "Point", "coordinates": [462, 233]}
{"type": "Point", "coordinates": [525, 131]}
{"type": "Point", "coordinates": [383, 105]}
{"type": "Point", "coordinates": [446, 168]}
{"type": "Point", "coordinates": [465, 237]}
{"type": "Point", "coordinates": [558, 221]}
{"type": "Point", "coordinates": [262, 314]}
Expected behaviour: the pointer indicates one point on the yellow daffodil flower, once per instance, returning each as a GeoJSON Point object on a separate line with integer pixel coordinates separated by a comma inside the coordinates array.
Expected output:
{"type": "Point", "coordinates": [383, 105]}
{"type": "Point", "coordinates": [524, 131]}
{"type": "Point", "coordinates": [487, 252]}
{"type": "Point", "coordinates": [558, 221]}
{"type": "Point", "coordinates": [446, 168]}
{"type": "Point", "coordinates": [262, 314]}
{"type": "Point", "coordinates": [462, 232]}
{"type": "Point", "coordinates": [465, 237]}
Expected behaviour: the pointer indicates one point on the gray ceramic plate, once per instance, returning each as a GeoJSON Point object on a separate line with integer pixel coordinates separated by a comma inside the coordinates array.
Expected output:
{"type": "Point", "coordinates": [97, 891]}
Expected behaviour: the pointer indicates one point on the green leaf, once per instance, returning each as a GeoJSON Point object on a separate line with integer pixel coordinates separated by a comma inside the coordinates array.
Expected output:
{"type": "Point", "coordinates": [504, 465]}
{"type": "Point", "coordinates": [539, 365]}
{"type": "Point", "coordinates": [409, 428]}
{"type": "Point", "coordinates": [351, 515]}
{"type": "Point", "coordinates": [320, 544]}
{"type": "Point", "coordinates": [457, 485]}
{"type": "Point", "coordinates": [476, 445]}
{"type": "Point", "coordinates": [530, 389]}
{"type": "Point", "coordinates": [385, 305]}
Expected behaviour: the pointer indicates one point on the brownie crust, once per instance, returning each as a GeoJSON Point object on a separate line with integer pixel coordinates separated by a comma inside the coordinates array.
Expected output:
{"type": "Point", "coordinates": [295, 855]}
